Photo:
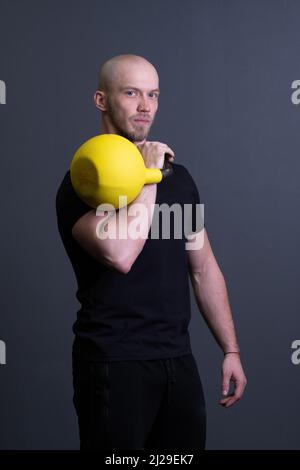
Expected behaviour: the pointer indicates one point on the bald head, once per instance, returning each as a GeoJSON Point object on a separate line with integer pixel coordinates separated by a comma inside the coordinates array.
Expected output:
{"type": "Point", "coordinates": [127, 95]}
{"type": "Point", "coordinates": [115, 70]}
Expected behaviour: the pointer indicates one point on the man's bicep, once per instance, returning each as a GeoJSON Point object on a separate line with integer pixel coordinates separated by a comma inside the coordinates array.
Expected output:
{"type": "Point", "coordinates": [84, 231]}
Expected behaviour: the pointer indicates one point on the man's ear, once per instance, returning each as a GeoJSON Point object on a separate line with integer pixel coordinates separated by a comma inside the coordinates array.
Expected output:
{"type": "Point", "coordinates": [100, 100]}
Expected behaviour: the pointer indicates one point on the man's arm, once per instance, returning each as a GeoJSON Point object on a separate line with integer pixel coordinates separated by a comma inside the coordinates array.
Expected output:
{"type": "Point", "coordinates": [117, 253]}
{"type": "Point", "coordinates": [121, 252]}
{"type": "Point", "coordinates": [211, 295]}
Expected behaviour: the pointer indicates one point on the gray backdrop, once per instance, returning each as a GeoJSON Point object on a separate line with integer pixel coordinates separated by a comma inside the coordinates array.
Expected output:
{"type": "Point", "coordinates": [226, 69]}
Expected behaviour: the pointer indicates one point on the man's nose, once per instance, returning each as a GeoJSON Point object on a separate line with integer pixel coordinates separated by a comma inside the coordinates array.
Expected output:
{"type": "Point", "coordinates": [143, 104]}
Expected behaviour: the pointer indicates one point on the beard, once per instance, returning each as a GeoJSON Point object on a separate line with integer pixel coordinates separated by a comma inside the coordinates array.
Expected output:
{"type": "Point", "coordinates": [133, 136]}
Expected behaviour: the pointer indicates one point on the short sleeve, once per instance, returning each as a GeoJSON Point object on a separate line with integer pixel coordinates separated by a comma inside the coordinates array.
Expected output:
{"type": "Point", "coordinates": [194, 221]}
{"type": "Point", "coordinates": [69, 207]}
{"type": "Point", "coordinates": [197, 212]}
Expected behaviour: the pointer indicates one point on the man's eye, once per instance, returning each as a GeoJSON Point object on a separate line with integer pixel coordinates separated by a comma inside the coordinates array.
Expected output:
{"type": "Point", "coordinates": [130, 91]}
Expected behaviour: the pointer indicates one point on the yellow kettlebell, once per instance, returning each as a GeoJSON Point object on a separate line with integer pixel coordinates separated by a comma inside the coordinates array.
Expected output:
{"type": "Point", "coordinates": [108, 166]}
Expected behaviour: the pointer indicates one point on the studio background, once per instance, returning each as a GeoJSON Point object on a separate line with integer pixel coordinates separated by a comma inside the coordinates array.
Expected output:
{"type": "Point", "coordinates": [226, 69]}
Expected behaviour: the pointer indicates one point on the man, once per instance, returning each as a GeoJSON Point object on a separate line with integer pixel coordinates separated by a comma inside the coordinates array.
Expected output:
{"type": "Point", "coordinates": [136, 382]}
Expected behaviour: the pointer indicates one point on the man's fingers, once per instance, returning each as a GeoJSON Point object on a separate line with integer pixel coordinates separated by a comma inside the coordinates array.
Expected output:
{"type": "Point", "coordinates": [230, 400]}
{"type": "Point", "coordinates": [225, 383]}
{"type": "Point", "coordinates": [170, 151]}
{"type": "Point", "coordinates": [170, 157]}
{"type": "Point", "coordinates": [233, 398]}
{"type": "Point", "coordinates": [239, 388]}
{"type": "Point", "coordinates": [165, 148]}
{"type": "Point", "coordinates": [223, 401]}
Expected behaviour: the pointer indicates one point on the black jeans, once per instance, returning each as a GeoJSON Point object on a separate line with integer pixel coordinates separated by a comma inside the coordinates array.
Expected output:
{"type": "Point", "coordinates": [140, 404]}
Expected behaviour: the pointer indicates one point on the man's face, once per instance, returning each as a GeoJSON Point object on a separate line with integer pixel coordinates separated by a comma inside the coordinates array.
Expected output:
{"type": "Point", "coordinates": [133, 101]}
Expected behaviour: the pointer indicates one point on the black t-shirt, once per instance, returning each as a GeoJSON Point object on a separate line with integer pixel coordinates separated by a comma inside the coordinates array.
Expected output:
{"type": "Point", "coordinates": [145, 313]}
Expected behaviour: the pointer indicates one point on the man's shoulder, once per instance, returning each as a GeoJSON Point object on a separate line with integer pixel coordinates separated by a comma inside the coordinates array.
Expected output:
{"type": "Point", "coordinates": [65, 184]}
{"type": "Point", "coordinates": [69, 207]}
{"type": "Point", "coordinates": [182, 171]}
{"type": "Point", "coordinates": [66, 194]}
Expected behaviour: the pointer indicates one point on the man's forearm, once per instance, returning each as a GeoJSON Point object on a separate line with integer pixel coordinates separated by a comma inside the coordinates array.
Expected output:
{"type": "Point", "coordinates": [212, 299]}
{"type": "Point", "coordinates": [125, 249]}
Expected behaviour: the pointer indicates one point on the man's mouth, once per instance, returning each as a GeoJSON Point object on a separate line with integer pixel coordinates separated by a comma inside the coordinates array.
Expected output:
{"type": "Point", "coordinates": [142, 121]}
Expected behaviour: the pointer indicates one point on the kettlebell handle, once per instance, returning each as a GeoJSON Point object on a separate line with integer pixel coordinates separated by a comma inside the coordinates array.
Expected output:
{"type": "Point", "coordinates": [156, 175]}
{"type": "Point", "coordinates": [167, 169]}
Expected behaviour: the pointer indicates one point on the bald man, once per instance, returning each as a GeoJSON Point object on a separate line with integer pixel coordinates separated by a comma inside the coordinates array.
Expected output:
{"type": "Point", "coordinates": [136, 381]}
